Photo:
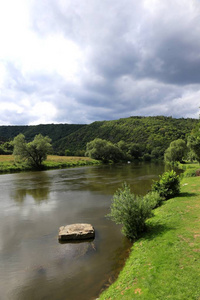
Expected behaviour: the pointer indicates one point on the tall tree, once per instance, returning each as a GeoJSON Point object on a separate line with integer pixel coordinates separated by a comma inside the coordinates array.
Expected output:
{"type": "Point", "coordinates": [103, 150]}
{"type": "Point", "coordinates": [34, 152]}
{"type": "Point", "coordinates": [176, 151]}
{"type": "Point", "coordinates": [194, 144]}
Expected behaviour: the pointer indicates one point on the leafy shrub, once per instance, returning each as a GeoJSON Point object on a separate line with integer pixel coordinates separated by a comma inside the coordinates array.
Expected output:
{"type": "Point", "coordinates": [131, 211]}
{"type": "Point", "coordinates": [168, 186]}
{"type": "Point", "coordinates": [153, 198]}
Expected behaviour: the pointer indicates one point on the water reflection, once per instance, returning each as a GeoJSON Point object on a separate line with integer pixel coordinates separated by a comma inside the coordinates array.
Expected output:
{"type": "Point", "coordinates": [111, 178]}
{"type": "Point", "coordinates": [108, 178]}
{"type": "Point", "coordinates": [36, 186]}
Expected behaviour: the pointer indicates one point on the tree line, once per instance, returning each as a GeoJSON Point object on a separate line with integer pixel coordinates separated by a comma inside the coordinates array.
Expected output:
{"type": "Point", "coordinates": [178, 151]}
{"type": "Point", "coordinates": [35, 151]}
{"type": "Point", "coordinates": [151, 136]}
{"type": "Point", "coordinates": [186, 147]}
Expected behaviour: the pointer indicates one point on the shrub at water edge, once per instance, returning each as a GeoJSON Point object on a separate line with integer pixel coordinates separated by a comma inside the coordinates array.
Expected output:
{"type": "Point", "coordinates": [153, 198]}
{"type": "Point", "coordinates": [131, 211]}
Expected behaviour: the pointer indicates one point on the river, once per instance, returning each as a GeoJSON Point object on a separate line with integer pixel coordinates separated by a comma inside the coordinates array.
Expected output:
{"type": "Point", "coordinates": [33, 205]}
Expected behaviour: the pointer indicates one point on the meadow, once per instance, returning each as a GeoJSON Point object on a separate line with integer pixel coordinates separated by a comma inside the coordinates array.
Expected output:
{"type": "Point", "coordinates": [8, 164]}
{"type": "Point", "coordinates": [165, 262]}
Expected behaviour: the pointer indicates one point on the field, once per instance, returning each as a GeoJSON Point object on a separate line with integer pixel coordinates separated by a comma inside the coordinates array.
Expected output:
{"type": "Point", "coordinates": [6, 158]}
{"type": "Point", "coordinates": [165, 262]}
{"type": "Point", "coordinates": [54, 161]}
{"type": "Point", "coordinates": [8, 164]}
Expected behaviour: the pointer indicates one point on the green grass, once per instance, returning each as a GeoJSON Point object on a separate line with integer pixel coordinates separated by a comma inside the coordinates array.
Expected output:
{"type": "Point", "coordinates": [55, 162]}
{"type": "Point", "coordinates": [165, 262]}
{"type": "Point", "coordinates": [190, 169]}
{"type": "Point", "coordinates": [8, 164]}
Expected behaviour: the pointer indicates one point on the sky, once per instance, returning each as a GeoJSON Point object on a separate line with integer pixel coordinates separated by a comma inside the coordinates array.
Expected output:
{"type": "Point", "coordinates": [80, 61]}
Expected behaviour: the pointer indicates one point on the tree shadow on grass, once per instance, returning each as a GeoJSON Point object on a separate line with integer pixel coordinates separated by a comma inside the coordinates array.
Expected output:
{"type": "Point", "coordinates": [154, 230]}
{"type": "Point", "coordinates": [187, 195]}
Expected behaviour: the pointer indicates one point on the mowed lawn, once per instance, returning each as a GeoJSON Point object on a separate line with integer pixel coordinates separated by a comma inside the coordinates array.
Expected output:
{"type": "Point", "coordinates": [165, 262]}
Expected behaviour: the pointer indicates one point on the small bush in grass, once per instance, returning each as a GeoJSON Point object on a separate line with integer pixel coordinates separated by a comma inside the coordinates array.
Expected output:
{"type": "Point", "coordinates": [131, 211]}
{"type": "Point", "coordinates": [168, 186]}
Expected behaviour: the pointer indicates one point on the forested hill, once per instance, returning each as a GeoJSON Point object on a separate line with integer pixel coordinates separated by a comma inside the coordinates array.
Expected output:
{"type": "Point", "coordinates": [150, 133]}
{"type": "Point", "coordinates": [54, 131]}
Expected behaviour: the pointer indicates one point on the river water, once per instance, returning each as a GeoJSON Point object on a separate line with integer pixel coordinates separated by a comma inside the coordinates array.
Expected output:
{"type": "Point", "coordinates": [33, 205]}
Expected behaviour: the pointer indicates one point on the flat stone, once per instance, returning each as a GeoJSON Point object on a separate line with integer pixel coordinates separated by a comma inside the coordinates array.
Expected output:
{"type": "Point", "coordinates": [76, 232]}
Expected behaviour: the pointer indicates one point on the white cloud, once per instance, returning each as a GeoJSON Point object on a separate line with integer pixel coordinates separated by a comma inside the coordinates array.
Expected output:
{"type": "Point", "coordinates": [42, 113]}
{"type": "Point", "coordinates": [14, 23]}
{"type": "Point", "coordinates": [76, 62]}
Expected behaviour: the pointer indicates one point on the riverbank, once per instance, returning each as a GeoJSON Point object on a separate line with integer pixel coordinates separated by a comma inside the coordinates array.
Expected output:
{"type": "Point", "coordinates": [8, 165]}
{"type": "Point", "coordinates": [165, 262]}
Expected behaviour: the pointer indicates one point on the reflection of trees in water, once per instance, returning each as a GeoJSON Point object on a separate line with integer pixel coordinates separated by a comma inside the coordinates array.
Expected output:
{"type": "Point", "coordinates": [138, 175]}
{"type": "Point", "coordinates": [38, 194]}
{"type": "Point", "coordinates": [35, 186]}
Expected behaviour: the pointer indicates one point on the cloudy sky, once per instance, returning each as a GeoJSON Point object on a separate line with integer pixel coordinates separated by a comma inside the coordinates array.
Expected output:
{"type": "Point", "coordinates": [79, 61]}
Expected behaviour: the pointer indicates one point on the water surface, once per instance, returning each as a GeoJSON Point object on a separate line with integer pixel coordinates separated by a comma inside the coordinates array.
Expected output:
{"type": "Point", "coordinates": [33, 205]}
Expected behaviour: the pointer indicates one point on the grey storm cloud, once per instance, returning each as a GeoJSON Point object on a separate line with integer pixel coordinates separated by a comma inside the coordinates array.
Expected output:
{"type": "Point", "coordinates": [136, 58]}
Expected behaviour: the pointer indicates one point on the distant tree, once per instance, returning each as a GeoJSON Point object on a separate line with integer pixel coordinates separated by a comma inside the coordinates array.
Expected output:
{"type": "Point", "coordinates": [191, 155]}
{"type": "Point", "coordinates": [79, 153]}
{"type": "Point", "coordinates": [156, 153]}
{"type": "Point", "coordinates": [123, 146]}
{"type": "Point", "coordinates": [147, 157]}
{"type": "Point", "coordinates": [176, 151]}
{"type": "Point", "coordinates": [103, 150]}
{"type": "Point", "coordinates": [67, 152]}
{"type": "Point", "coordinates": [135, 150]}
{"type": "Point", "coordinates": [6, 148]}
{"type": "Point", "coordinates": [194, 144]}
{"type": "Point", "coordinates": [2, 150]}
{"type": "Point", "coordinates": [124, 150]}
{"type": "Point", "coordinates": [34, 152]}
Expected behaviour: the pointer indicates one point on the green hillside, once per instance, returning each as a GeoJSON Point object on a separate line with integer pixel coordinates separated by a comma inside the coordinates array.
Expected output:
{"type": "Point", "coordinates": [54, 131]}
{"type": "Point", "coordinates": [150, 133]}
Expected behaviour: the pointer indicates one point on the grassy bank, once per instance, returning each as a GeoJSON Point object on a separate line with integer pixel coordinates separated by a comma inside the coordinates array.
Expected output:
{"type": "Point", "coordinates": [8, 165]}
{"type": "Point", "coordinates": [165, 262]}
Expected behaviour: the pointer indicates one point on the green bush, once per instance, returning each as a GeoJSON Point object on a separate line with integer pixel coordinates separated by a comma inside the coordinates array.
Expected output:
{"type": "Point", "coordinates": [168, 186]}
{"type": "Point", "coordinates": [153, 198]}
{"type": "Point", "coordinates": [131, 211]}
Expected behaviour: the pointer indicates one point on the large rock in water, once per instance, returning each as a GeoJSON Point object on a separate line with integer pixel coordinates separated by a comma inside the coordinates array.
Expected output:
{"type": "Point", "coordinates": [76, 232]}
